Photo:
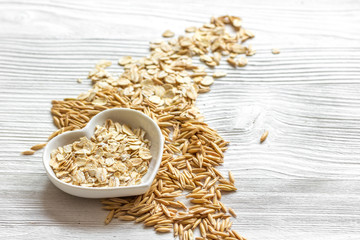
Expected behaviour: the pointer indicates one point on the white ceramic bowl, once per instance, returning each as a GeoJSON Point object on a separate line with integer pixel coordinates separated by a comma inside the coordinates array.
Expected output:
{"type": "Point", "coordinates": [132, 118]}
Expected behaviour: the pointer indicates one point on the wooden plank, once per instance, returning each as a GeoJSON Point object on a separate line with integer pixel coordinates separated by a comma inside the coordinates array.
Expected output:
{"type": "Point", "coordinates": [281, 208]}
{"type": "Point", "coordinates": [310, 112]}
{"type": "Point", "coordinates": [303, 179]}
{"type": "Point", "coordinates": [306, 23]}
{"type": "Point", "coordinates": [302, 182]}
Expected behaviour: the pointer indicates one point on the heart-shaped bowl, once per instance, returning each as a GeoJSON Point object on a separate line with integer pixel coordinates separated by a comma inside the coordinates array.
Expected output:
{"type": "Point", "coordinates": [132, 118]}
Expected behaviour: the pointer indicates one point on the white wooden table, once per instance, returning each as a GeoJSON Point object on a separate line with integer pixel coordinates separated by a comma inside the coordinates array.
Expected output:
{"type": "Point", "coordinates": [302, 183]}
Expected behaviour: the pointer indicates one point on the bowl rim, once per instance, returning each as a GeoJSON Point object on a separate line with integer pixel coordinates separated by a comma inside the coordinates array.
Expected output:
{"type": "Point", "coordinates": [51, 174]}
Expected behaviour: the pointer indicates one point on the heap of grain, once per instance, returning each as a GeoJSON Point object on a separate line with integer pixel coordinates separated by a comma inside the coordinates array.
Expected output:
{"type": "Point", "coordinates": [164, 86]}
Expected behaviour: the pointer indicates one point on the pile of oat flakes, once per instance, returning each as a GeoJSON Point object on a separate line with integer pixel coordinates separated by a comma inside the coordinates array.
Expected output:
{"type": "Point", "coordinates": [164, 86]}
{"type": "Point", "coordinates": [115, 156]}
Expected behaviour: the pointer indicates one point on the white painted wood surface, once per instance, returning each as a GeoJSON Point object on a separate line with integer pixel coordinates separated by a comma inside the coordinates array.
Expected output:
{"type": "Point", "coordinates": [302, 183]}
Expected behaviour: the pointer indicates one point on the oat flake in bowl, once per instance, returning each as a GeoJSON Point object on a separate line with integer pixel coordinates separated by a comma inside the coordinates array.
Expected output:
{"type": "Point", "coordinates": [114, 156]}
{"type": "Point", "coordinates": [117, 154]}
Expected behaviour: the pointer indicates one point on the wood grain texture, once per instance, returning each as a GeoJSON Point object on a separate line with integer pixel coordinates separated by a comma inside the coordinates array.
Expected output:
{"type": "Point", "coordinates": [307, 23]}
{"type": "Point", "coordinates": [302, 182]}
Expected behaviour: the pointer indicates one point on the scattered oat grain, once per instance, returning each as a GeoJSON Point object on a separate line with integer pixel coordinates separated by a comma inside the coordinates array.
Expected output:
{"type": "Point", "coordinates": [264, 136]}
{"type": "Point", "coordinates": [38, 146]}
{"type": "Point", "coordinates": [28, 152]}
{"type": "Point", "coordinates": [242, 62]}
{"type": "Point", "coordinates": [219, 74]}
{"type": "Point", "coordinates": [190, 29]}
{"type": "Point", "coordinates": [231, 177]}
{"type": "Point", "coordinates": [207, 81]}
{"type": "Point", "coordinates": [109, 217]}
{"type": "Point", "coordinates": [168, 34]}
{"type": "Point", "coordinates": [232, 212]}
{"type": "Point", "coordinates": [275, 51]}
{"type": "Point", "coordinates": [125, 60]}
{"type": "Point", "coordinates": [127, 218]}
